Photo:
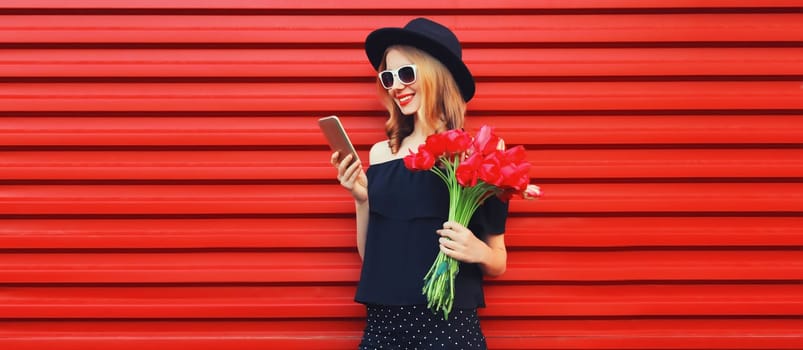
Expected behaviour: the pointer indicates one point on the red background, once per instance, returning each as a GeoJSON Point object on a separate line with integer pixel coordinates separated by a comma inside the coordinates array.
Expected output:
{"type": "Point", "coordinates": [163, 183]}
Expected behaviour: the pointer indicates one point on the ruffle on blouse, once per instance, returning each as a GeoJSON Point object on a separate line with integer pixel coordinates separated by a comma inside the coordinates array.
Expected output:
{"type": "Point", "coordinates": [402, 194]}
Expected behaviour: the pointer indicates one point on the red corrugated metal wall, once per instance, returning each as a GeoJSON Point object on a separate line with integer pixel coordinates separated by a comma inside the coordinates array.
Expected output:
{"type": "Point", "coordinates": [163, 183]}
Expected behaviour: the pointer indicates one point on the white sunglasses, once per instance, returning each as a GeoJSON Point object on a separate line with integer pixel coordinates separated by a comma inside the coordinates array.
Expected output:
{"type": "Point", "coordinates": [406, 75]}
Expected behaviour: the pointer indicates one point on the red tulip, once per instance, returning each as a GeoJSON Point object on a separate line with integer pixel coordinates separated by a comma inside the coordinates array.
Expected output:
{"type": "Point", "coordinates": [436, 144]}
{"type": "Point", "coordinates": [491, 169]}
{"type": "Point", "coordinates": [516, 176]}
{"type": "Point", "coordinates": [467, 172]}
{"type": "Point", "coordinates": [486, 141]}
{"type": "Point", "coordinates": [423, 160]}
{"type": "Point", "coordinates": [458, 141]}
{"type": "Point", "coordinates": [515, 154]}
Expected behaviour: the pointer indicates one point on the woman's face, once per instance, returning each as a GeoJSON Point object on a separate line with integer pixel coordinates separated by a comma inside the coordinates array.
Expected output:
{"type": "Point", "coordinates": [405, 96]}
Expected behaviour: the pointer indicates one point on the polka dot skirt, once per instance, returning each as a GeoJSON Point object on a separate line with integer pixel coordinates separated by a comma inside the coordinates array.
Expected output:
{"type": "Point", "coordinates": [416, 327]}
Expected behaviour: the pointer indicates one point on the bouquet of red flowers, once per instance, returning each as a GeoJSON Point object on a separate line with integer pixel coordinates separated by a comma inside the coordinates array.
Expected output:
{"type": "Point", "coordinates": [474, 169]}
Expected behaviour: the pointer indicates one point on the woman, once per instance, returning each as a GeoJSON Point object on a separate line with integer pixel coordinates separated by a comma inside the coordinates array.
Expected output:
{"type": "Point", "coordinates": [401, 215]}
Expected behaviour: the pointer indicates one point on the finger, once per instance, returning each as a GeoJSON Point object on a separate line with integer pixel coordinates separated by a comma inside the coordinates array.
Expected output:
{"type": "Point", "coordinates": [444, 232]}
{"type": "Point", "coordinates": [355, 173]}
{"type": "Point", "coordinates": [351, 170]}
{"type": "Point", "coordinates": [344, 163]}
{"type": "Point", "coordinates": [445, 250]}
{"type": "Point", "coordinates": [450, 244]}
{"type": "Point", "coordinates": [454, 226]}
{"type": "Point", "coordinates": [458, 236]}
{"type": "Point", "coordinates": [452, 253]}
{"type": "Point", "coordinates": [461, 233]}
{"type": "Point", "coordinates": [455, 235]}
{"type": "Point", "coordinates": [333, 159]}
{"type": "Point", "coordinates": [356, 164]}
{"type": "Point", "coordinates": [342, 168]}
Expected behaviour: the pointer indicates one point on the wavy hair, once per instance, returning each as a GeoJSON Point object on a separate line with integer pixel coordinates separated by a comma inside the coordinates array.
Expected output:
{"type": "Point", "coordinates": [441, 98]}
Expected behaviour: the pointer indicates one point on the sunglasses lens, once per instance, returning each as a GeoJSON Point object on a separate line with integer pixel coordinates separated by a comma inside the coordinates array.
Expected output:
{"type": "Point", "coordinates": [407, 74]}
{"type": "Point", "coordinates": [386, 78]}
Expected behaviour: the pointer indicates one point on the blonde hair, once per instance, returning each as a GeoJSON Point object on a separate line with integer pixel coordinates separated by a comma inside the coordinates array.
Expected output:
{"type": "Point", "coordinates": [441, 98]}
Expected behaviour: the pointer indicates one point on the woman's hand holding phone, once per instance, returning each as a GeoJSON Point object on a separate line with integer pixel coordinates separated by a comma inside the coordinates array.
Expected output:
{"type": "Point", "coordinates": [345, 159]}
{"type": "Point", "coordinates": [351, 176]}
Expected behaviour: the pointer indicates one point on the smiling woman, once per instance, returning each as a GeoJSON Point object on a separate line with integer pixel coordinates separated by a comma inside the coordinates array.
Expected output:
{"type": "Point", "coordinates": [424, 85]}
{"type": "Point", "coordinates": [437, 98]}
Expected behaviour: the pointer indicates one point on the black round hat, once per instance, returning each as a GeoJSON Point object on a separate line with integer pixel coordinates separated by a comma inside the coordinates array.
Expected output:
{"type": "Point", "coordinates": [429, 36]}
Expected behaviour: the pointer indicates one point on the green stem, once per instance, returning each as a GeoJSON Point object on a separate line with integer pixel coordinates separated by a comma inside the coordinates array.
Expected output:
{"type": "Point", "coordinates": [463, 202]}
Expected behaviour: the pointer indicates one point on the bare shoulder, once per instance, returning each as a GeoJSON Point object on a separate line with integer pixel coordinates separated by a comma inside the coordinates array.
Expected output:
{"type": "Point", "coordinates": [380, 153]}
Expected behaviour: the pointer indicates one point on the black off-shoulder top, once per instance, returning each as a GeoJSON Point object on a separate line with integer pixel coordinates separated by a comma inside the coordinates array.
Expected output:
{"type": "Point", "coordinates": [406, 208]}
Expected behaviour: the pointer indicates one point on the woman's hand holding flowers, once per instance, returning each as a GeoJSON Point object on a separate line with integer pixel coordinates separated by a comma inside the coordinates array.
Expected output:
{"type": "Point", "coordinates": [458, 242]}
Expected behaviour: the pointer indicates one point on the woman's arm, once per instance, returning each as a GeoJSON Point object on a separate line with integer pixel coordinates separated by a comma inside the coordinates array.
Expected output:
{"type": "Point", "coordinates": [353, 179]}
{"type": "Point", "coordinates": [495, 263]}
{"type": "Point", "coordinates": [362, 225]}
